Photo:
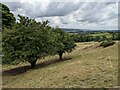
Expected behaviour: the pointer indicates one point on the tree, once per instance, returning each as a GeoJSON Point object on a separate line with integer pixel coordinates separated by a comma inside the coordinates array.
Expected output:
{"type": "Point", "coordinates": [96, 38]}
{"type": "Point", "coordinates": [8, 18]}
{"type": "Point", "coordinates": [116, 36]}
{"type": "Point", "coordinates": [103, 38]}
{"type": "Point", "coordinates": [63, 42]}
{"type": "Point", "coordinates": [28, 40]}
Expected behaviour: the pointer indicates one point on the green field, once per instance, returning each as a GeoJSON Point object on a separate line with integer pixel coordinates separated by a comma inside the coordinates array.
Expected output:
{"type": "Point", "coordinates": [87, 66]}
{"type": "Point", "coordinates": [108, 35]}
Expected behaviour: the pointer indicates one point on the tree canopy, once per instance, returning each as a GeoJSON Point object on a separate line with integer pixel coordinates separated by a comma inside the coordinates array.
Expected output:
{"type": "Point", "coordinates": [30, 40]}
{"type": "Point", "coordinates": [27, 40]}
{"type": "Point", "coordinates": [63, 42]}
{"type": "Point", "coordinates": [8, 18]}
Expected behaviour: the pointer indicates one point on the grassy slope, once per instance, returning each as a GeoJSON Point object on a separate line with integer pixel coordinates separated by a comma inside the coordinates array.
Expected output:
{"type": "Point", "coordinates": [87, 66]}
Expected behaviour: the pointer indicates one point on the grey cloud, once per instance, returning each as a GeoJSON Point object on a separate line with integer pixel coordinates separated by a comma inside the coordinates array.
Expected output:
{"type": "Point", "coordinates": [46, 9]}
{"type": "Point", "coordinates": [67, 13]}
{"type": "Point", "coordinates": [13, 5]}
{"type": "Point", "coordinates": [96, 12]}
{"type": "Point", "coordinates": [62, 9]}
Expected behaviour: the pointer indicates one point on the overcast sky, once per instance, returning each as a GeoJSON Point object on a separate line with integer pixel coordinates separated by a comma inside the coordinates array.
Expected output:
{"type": "Point", "coordinates": [78, 15]}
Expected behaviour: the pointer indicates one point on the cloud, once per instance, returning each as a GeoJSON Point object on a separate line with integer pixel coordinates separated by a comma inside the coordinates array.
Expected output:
{"type": "Point", "coordinates": [92, 15]}
{"type": "Point", "coordinates": [96, 12]}
{"type": "Point", "coordinates": [44, 9]}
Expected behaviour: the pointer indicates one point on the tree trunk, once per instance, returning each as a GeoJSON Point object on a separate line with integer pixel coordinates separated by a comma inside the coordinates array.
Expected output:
{"type": "Point", "coordinates": [33, 63]}
{"type": "Point", "coordinates": [60, 56]}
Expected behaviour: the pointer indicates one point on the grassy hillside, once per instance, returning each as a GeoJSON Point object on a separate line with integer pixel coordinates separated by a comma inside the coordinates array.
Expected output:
{"type": "Point", "coordinates": [87, 66]}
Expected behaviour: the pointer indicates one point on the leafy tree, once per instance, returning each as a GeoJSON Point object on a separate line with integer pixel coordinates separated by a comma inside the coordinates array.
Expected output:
{"type": "Point", "coordinates": [28, 40]}
{"type": "Point", "coordinates": [63, 42]}
{"type": "Point", "coordinates": [8, 18]}
{"type": "Point", "coordinates": [76, 37]}
{"type": "Point", "coordinates": [96, 38]}
{"type": "Point", "coordinates": [104, 37]}
{"type": "Point", "coordinates": [116, 36]}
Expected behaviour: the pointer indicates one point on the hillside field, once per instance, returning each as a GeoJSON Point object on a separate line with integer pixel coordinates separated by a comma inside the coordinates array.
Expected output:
{"type": "Point", "coordinates": [87, 66]}
{"type": "Point", "coordinates": [108, 35]}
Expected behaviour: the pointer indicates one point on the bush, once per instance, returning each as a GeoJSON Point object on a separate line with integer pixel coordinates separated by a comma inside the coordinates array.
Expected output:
{"type": "Point", "coordinates": [107, 43]}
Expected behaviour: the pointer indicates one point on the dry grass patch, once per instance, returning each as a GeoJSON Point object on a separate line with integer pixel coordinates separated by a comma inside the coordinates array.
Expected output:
{"type": "Point", "coordinates": [90, 67]}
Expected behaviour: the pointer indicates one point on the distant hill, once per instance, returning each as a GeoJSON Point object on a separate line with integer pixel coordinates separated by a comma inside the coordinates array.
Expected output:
{"type": "Point", "coordinates": [71, 30]}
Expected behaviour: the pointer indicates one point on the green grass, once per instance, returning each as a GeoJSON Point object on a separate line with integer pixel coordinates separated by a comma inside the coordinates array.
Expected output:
{"type": "Point", "coordinates": [108, 35]}
{"type": "Point", "coordinates": [87, 66]}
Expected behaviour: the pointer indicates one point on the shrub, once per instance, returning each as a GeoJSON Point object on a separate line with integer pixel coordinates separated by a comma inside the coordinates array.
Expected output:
{"type": "Point", "coordinates": [107, 43]}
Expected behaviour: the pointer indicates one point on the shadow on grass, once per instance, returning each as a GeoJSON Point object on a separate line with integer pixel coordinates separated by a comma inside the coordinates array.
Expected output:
{"type": "Point", "coordinates": [23, 69]}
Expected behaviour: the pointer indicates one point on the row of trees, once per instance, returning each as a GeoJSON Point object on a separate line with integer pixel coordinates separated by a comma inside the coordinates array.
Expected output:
{"type": "Point", "coordinates": [104, 40]}
{"type": "Point", "coordinates": [84, 37]}
{"type": "Point", "coordinates": [30, 40]}
{"type": "Point", "coordinates": [87, 38]}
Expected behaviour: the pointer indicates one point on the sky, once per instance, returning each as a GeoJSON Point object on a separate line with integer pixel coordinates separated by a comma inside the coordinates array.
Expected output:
{"type": "Point", "coordinates": [71, 14]}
